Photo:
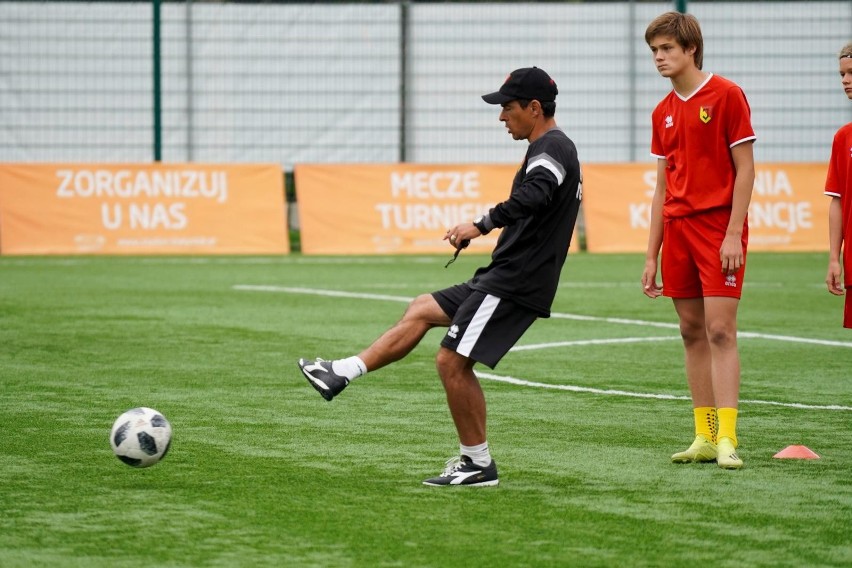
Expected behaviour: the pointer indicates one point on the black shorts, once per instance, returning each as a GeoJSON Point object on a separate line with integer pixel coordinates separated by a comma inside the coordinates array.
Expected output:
{"type": "Point", "coordinates": [484, 327]}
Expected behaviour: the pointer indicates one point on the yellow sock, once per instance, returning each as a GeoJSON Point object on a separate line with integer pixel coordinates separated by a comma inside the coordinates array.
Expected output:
{"type": "Point", "coordinates": [728, 424]}
{"type": "Point", "coordinates": [705, 422]}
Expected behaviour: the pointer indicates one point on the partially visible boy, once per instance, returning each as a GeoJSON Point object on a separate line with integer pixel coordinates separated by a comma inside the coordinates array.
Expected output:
{"type": "Point", "coordinates": [838, 186]}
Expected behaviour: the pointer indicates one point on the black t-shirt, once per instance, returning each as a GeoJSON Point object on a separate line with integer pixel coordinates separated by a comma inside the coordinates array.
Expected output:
{"type": "Point", "coordinates": [538, 222]}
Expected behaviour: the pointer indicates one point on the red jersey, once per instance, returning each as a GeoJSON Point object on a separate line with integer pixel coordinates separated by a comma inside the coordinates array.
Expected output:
{"type": "Point", "coordinates": [839, 184]}
{"type": "Point", "coordinates": [695, 134]}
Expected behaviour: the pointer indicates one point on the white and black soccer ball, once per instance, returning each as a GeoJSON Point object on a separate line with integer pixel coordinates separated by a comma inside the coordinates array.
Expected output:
{"type": "Point", "coordinates": [141, 437]}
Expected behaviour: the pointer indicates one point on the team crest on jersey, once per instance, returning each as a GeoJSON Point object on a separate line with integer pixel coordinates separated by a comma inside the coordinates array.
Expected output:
{"type": "Point", "coordinates": [705, 114]}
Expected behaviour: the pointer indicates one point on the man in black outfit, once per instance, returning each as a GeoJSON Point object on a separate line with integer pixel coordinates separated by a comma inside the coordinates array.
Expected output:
{"type": "Point", "coordinates": [487, 315]}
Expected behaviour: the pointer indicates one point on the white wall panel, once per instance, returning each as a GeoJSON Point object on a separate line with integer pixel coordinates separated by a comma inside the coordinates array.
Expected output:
{"type": "Point", "coordinates": [317, 82]}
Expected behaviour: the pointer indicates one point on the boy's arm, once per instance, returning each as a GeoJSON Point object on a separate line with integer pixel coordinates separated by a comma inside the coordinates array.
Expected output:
{"type": "Point", "coordinates": [731, 253]}
{"type": "Point", "coordinates": [834, 278]}
{"type": "Point", "coordinates": [655, 235]}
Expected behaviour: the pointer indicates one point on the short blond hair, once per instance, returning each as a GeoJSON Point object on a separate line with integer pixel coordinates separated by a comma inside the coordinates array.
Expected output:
{"type": "Point", "coordinates": [846, 51]}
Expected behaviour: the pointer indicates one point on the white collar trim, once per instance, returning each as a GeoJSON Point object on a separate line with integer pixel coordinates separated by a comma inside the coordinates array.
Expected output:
{"type": "Point", "coordinates": [692, 94]}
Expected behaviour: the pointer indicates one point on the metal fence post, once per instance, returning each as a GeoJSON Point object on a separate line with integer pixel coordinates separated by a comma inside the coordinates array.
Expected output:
{"type": "Point", "coordinates": [190, 107]}
{"type": "Point", "coordinates": [158, 134]}
{"type": "Point", "coordinates": [404, 8]}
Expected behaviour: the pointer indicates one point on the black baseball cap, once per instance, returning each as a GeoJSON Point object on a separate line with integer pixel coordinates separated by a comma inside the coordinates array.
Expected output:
{"type": "Point", "coordinates": [528, 83]}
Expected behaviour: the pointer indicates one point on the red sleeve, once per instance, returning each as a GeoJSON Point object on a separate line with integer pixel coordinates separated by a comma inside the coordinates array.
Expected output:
{"type": "Point", "coordinates": [834, 182]}
{"type": "Point", "coordinates": [738, 128]}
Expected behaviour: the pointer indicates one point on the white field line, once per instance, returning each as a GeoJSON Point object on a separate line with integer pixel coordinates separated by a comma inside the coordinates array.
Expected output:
{"type": "Point", "coordinates": [581, 342]}
{"type": "Point", "coordinates": [555, 315]}
{"type": "Point", "coordinates": [742, 334]}
{"type": "Point", "coordinates": [614, 392]}
{"type": "Point", "coordinates": [317, 292]}
{"type": "Point", "coordinates": [572, 388]}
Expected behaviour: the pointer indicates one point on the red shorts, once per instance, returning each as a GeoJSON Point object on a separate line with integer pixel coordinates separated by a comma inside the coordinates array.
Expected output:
{"type": "Point", "coordinates": [847, 308]}
{"type": "Point", "coordinates": [691, 266]}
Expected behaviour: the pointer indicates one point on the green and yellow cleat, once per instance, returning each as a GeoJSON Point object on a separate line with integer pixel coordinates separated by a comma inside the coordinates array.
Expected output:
{"type": "Point", "coordinates": [702, 450]}
{"type": "Point", "coordinates": [727, 457]}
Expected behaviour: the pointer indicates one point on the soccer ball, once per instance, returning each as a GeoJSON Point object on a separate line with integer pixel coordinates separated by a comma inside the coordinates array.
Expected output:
{"type": "Point", "coordinates": [141, 437]}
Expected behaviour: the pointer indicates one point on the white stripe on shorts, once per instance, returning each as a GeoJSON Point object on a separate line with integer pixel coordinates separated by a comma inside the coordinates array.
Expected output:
{"type": "Point", "coordinates": [477, 324]}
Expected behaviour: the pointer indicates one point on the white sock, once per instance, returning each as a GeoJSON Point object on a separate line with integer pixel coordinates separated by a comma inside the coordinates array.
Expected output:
{"type": "Point", "coordinates": [479, 454]}
{"type": "Point", "coordinates": [351, 368]}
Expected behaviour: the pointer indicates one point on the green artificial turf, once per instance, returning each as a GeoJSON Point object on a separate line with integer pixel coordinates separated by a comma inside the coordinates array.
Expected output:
{"type": "Point", "coordinates": [263, 472]}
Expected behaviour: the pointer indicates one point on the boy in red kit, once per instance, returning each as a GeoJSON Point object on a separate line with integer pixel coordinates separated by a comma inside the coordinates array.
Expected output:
{"type": "Point", "coordinates": [838, 186]}
{"type": "Point", "coordinates": [702, 138]}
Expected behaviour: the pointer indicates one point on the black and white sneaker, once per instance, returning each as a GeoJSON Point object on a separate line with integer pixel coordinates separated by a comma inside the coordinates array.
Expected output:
{"type": "Point", "coordinates": [321, 376]}
{"type": "Point", "coordinates": [461, 470]}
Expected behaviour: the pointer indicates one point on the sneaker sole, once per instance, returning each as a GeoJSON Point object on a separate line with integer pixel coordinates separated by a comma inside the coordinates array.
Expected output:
{"type": "Point", "coordinates": [692, 460]}
{"type": "Point", "coordinates": [491, 483]}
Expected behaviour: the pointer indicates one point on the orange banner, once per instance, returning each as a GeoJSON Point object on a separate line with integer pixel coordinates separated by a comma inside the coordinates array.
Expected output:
{"type": "Point", "coordinates": [396, 208]}
{"type": "Point", "coordinates": [142, 209]}
{"type": "Point", "coordinates": [788, 210]}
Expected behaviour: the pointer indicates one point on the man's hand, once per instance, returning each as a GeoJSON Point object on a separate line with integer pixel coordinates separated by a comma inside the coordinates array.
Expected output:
{"type": "Point", "coordinates": [460, 235]}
